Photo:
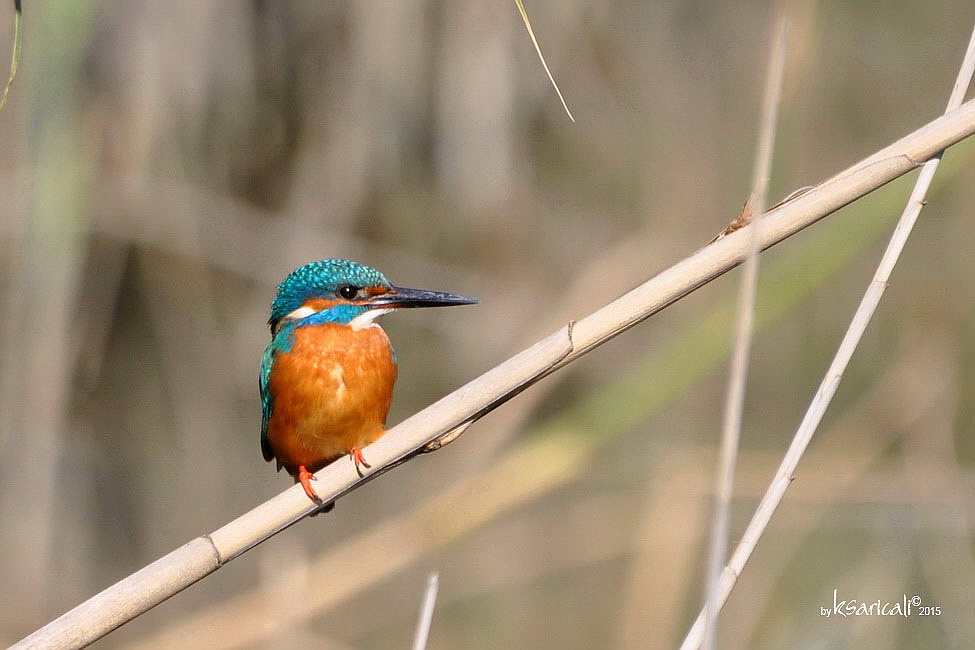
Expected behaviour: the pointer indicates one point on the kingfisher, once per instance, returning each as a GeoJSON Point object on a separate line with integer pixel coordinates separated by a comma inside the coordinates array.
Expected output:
{"type": "Point", "coordinates": [327, 375]}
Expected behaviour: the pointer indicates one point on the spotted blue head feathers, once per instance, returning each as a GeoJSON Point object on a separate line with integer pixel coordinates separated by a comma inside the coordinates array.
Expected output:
{"type": "Point", "coordinates": [341, 280]}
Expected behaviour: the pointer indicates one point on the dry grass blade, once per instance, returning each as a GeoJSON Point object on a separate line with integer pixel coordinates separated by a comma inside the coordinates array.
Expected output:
{"type": "Point", "coordinates": [827, 388]}
{"type": "Point", "coordinates": [15, 57]}
{"type": "Point", "coordinates": [541, 57]}
{"type": "Point", "coordinates": [737, 377]}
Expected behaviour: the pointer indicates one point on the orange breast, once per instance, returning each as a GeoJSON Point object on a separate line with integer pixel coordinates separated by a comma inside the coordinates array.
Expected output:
{"type": "Point", "coordinates": [331, 393]}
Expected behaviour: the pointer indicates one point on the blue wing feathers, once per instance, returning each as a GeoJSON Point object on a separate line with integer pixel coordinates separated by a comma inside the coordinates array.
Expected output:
{"type": "Point", "coordinates": [267, 401]}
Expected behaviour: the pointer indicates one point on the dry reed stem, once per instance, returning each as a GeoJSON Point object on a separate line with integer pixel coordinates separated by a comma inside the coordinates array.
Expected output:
{"type": "Point", "coordinates": [422, 632]}
{"type": "Point", "coordinates": [170, 574]}
{"type": "Point", "coordinates": [17, 48]}
{"type": "Point", "coordinates": [827, 388]}
{"type": "Point", "coordinates": [741, 349]}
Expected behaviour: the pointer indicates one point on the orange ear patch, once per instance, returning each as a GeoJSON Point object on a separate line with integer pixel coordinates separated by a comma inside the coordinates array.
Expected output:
{"type": "Point", "coordinates": [321, 304]}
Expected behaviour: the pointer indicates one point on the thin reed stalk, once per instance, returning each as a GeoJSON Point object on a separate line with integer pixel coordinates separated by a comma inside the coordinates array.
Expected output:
{"type": "Point", "coordinates": [741, 349]}
{"type": "Point", "coordinates": [422, 632]}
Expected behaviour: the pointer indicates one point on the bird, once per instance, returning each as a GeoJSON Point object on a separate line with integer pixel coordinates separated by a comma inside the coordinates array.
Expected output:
{"type": "Point", "coordinates": [327, 375]}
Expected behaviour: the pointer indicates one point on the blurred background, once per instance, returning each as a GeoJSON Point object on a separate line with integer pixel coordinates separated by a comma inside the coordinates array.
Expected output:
{"type": "Point", "coordinates": [164, 164]}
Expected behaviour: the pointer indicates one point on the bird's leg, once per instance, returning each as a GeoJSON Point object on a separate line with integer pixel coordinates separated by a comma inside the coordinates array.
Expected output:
{"type": "Point", "coordinates": [305, 478]}
{"type": "Point", "coordinates": [360, 461]}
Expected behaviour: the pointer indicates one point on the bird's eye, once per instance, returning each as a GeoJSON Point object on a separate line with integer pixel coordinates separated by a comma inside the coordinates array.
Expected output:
{"type": "Point", "coordinates": [347, 291]}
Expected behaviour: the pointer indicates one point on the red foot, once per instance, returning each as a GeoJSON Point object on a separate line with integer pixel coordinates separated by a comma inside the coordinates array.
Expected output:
{"type": "Point", "coordinates": [356, 455]}
{"type": "Point", "coordinates": [305, 478]}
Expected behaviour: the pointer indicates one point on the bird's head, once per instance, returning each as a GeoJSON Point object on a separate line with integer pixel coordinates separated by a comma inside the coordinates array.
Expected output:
{"type": "Point", "coordinates": [342, 291]}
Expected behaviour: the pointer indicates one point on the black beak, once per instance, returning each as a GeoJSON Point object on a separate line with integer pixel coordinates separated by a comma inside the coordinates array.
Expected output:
{"type": "Point", "coordinates": [401, 297]}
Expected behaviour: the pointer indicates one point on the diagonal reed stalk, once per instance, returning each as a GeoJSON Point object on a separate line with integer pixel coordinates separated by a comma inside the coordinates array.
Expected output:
{"type": "Point", "coordinates": [200, 557]}
{"type": "Point", "coordinates": [827, 388]}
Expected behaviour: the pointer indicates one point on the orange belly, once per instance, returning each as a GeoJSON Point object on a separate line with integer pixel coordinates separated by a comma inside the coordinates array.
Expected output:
{"type": "Point", "coordinates": [331, 394]}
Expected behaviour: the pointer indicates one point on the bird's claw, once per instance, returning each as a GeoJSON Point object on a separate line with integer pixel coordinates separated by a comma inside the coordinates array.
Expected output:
{"type": "Point", "coordinates": [360, 461]}
{"type": "Point", "coordinates": [305, 478]}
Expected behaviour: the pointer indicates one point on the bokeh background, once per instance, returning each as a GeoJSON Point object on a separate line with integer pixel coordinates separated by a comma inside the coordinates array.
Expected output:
{"type": "Point", "coordinates": [164, 164]}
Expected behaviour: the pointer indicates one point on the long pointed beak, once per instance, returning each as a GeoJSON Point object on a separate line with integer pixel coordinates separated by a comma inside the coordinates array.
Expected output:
{"type": "Point", "coordinates": [402, 297]}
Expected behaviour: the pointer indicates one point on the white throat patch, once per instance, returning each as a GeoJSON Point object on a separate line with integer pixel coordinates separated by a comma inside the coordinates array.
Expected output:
{"type": "Point", "coordinates": [362, 321]}
{"type": "Point", "coordinates": [301, 312]}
